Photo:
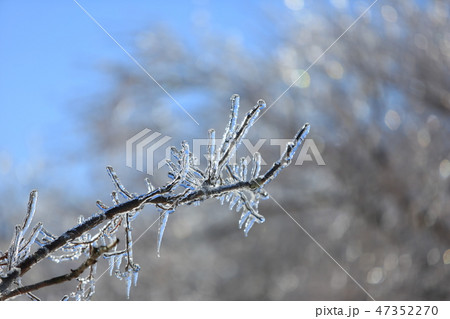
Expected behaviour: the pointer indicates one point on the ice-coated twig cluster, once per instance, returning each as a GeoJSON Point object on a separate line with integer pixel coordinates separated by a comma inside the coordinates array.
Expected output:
{"type": "Point", "coordinates": [240, 185]}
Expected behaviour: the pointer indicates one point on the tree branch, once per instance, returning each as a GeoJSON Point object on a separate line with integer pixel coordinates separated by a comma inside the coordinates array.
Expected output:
{"type": "Point", "coordinates": [154, 197]}
{"type": "Point", "coordinates": [189, 185]}
{"type": "Point", "coordinates": [95, 254]}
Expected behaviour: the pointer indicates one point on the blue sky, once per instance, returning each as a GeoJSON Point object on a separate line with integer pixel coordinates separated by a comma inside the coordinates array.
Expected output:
{"type": "Point", "coordinates": [50, 52]}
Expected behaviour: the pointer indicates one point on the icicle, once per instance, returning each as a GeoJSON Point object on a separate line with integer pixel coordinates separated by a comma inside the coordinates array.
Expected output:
{"type": "Point", "coordinates": [243, 218]}
{"type": "Point", "coordinates": [228, 196]}
{"type": "Point", "coordinates": [253, 201]}
{"type": "Point", "coordinates": [256, 165]}
{"type": "Point", "coordinates": [222, 199]}
{"type": "Point", "coordinates": [129, 240]}
{"type": "Point", "coordinates": [135, 278]}
{"type": "Point", "coordinates": [135, 274]}
{"type": "Point", "coordinates": [118, 261]}
{"type": "Point", "coordinates": [249, 225]}
{"type": "Point", "coordinates": [162, 226]}
{"type": "Point", "coordinates": [239, 205]}
{"type": "Point", "coordinates": [243, 169]}
{"type": "Point", "coordinates": [150, 187]}
{"type": "Point", "coordinates": [234, 201]}
{"type": "Point", "coordinates": [254, 204]}
{"type": "Point", "coordinates": [91, 289]}
{"type": "Point", "coordinates": [111, 264]}
{"type": "Point", "coordinates": [128, 283]}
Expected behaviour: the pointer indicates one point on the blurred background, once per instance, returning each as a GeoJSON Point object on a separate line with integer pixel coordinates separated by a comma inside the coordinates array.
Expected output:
{"type": "Point", "coordinates": [378, 103]}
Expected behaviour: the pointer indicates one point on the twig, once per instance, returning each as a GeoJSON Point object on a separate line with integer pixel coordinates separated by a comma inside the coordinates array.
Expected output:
{"type": "Point", "coordinates": [95, 254]}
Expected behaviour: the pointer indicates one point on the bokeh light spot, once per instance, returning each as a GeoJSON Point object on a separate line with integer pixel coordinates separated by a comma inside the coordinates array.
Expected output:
{"type": "Point", "coordinates": [302, 78]}
{"type": "Point", "coordinates": [339, 4]}
{"type": "Point", "coordinates": [392, 120]}
{"type": "Point", "coordinates": [446, 257]}
{"type": "Point", "coordinates": [334, 70]}
{"type": "Point", "coordinates": [375, 275]}
{"type": "Point", "coordinates": [444, 169]}
{"type": "Point", "coordinates": [389, 13]}
{"type": "Point", "coordinates": [433, 256]}
{"type": "Point", "coordinates": [294, 5]}
{"type": "Point", "coordinates": [423, 138]}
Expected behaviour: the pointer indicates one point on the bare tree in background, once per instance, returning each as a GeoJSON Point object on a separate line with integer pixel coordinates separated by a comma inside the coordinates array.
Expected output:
{"type": "Point", "coordinates": [379, 103]}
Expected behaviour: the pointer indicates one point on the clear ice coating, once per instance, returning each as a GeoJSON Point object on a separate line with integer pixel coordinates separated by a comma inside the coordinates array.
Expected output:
{"type": "Point", "coordinates": [249, 224]}
{"type": "Point", "coordinates": [150, 187]}
{"type": "Point", "coordinates": [256, 165]}
{"type": "Point", "coordinates": [117, 183]}
{"type": "Point", "coordinates": [128, 280]}
{"type": "Point", "coordinates": [135, 277]}
{"type": "Point", "coordinates": [239, 185]}
{"type": "Point", "coordinates": [163, 217]}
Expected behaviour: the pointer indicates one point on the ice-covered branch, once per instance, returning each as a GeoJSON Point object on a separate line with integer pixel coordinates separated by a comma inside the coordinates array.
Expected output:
{"type": "Point", "coordinates": [95, 254]}
{"type": "Point", "coordinates": [239, 185]}
{"type": "Point", "coordinates": [287, 156]}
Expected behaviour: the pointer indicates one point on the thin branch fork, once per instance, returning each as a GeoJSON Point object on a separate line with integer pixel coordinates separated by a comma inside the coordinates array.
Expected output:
{"type": "Point", "coordinates": [96, 252]}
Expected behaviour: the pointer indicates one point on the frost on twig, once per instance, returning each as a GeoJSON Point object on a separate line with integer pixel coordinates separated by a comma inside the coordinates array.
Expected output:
{"type": "Point", "coordinates": [85, 288]}
{"type": "Point", "coordinates": [239, 185]}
